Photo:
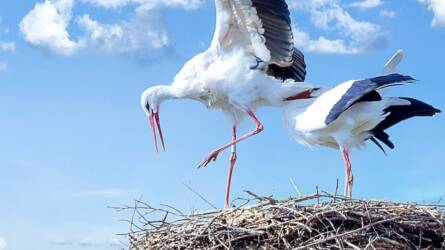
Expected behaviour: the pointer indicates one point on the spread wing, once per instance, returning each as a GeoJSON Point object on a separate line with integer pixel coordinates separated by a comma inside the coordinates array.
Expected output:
{"type": "Point", "coordinates": [261, 27]}
{"type": "Point", "coordinates": [297, 71]}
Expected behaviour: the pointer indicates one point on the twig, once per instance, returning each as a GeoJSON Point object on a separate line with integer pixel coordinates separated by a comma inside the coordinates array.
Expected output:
{"type": "Point", "coordinates": [336, 191]}
{"type": "Point", "coordinates": [318, 196]}
{"type": "Point", "coordinates": [261, 198]}
{"type": "Point", "coordinates": [295, 187]}
{"type": "Point", "coordinates": [200, 196]}
{"type": "Point", "coordinates": [346, 233]}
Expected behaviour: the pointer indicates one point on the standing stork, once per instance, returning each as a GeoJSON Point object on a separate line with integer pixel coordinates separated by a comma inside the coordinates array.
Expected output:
{"type": "Point", "coordinates": [250, 63]}
{"type": "Point", "coordinates": [351, 113]}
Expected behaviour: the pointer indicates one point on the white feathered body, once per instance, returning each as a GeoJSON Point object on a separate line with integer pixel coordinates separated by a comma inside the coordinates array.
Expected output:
{"type": "Point", "coordinates": [230, 81]}
{"type": "Point", "coordinates": [350, 130]}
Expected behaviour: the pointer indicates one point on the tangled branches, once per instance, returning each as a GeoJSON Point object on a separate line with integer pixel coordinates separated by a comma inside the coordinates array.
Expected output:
{"type": "Point", "coordinates": [320, 221]}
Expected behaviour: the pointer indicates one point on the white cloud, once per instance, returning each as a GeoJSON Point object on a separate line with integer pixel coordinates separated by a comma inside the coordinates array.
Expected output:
{"type": "Point", "coordinates": [185, 4]}
{"type": "Point", "coordinates": [146, 4]}
{"type": "Point", "coordinates": [46, 26]}
{"type": "Point", "coordinates": [108, 3]}
{"type": "Point", "coordinates": [387, 13]}
{"type": "Point", "coordinates": [366, 4]}
{"type": "Point", "coordinates": [7, 46]}
{"type": "Point", "coordinates": [114, 242]}
{"type": "Point", "coordinates": [144, 30]}
{"type": "Point", "coordinates": [105, 193]}
{"type": "Point", "coordinates": [3, 67]}
{"type": "Point", "coordinates": [2, 244]}
{"type": "Point", "coordinates": [438, 9]}
{"type": "Point", "coordinates": [329, 16]}
{"type": "Point", "coordinates": [88, 242]}
{"type": "Point", "coordinates": [321, 45]}
{"type": "Point", "coordinates": [76, 242]}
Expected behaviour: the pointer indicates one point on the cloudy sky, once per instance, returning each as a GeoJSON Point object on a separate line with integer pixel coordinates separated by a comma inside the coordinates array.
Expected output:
{"type": "Point", "coordinates": [75, 141]}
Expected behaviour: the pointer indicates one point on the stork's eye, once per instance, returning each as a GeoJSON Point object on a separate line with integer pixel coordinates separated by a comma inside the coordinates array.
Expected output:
{"type": "Point", "coordinates": [147, 106]}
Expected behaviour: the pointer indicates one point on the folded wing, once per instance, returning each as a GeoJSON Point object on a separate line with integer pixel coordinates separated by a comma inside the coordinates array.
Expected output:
{"type": "Point", "coordinates": [364, 90]}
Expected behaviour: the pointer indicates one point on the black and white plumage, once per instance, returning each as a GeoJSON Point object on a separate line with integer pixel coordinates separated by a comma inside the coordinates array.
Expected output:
{"type": "Point", "coordinates": [363, 90]}
{"type": "Point", "coordinates": [263, 28]}
{"type": "Point", "coordinates": [250, 63]}
{"type": "Point", "coordinates": [296, 72]}
{"type": "Point", "coordinates": [352, 113]}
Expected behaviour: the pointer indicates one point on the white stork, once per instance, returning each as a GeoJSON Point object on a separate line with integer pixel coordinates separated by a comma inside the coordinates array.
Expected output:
{"type": "Point", "coordinates": [250, 63]}
{"type": "Point", "coordinates": [352, 113]}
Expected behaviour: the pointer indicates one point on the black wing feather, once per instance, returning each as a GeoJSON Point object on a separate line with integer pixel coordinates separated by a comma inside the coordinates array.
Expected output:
{"type": "Point", "coordinates": [297, 71]}
{"type": "Point", "coordinates": [398, 113]}
{"type": "Point", "coordinates": [361, 88]}
{"type": "Point", "coordinates": [275, 17]}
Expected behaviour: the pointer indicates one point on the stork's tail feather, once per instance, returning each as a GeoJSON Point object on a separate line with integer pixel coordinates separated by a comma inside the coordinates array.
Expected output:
{"type": "Point", "coordinates": [398, 113]}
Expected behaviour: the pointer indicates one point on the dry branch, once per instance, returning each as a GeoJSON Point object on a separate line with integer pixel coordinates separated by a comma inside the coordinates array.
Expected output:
{"type": "Point", "coordinates": [320, 221]}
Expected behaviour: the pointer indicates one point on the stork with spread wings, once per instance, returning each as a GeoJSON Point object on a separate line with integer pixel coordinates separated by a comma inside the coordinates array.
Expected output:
{"type": "Point", "coordinates": [250, 63]}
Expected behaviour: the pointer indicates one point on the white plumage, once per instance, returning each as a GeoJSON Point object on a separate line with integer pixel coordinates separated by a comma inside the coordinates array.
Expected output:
{"type": "Point", "coordinates": [250, 63]}
{"type": "Point", "coordinates": [391, 66]}
{"type": "Point", "coordinates": [353, 112]}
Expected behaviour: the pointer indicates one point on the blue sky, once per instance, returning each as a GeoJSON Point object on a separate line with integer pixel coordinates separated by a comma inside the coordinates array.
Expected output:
{"type": "Point", "coordinates": [74, 139]}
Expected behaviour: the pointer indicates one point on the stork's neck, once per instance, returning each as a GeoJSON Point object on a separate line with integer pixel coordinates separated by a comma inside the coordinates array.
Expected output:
{"type": "Point", "coordinates": [165, 92]}
{"type": "Point", "coordinates": [178, 91]}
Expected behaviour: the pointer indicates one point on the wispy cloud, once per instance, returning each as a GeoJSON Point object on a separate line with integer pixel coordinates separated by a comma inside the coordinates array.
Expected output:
{"type": "Point", "coordinates": [7, 46]}
{"type": "Point", "coordinates": [330, 16]}
{"type": "Point", "coordinates": [46, 26]}
{"type": "Point", "coordinates": [438, 9]}
{"type": "Point", "coordinates": [321, 44]}
{"type": "Point", "coordinates": [2, 244]}
{"type": "Point", "coordinates": [3, 66]}
{"type": "Point", "coordinates": [146, 4]}
{"type": "Point", "coordinates": [88, 243]}
{"type": "Point", "coordinates": [104, 193]}
{"type": "Point", "coordinates": [113, 4]}
{"type": "Point", "coordinates": [144, 30]}
{"type": "Point", "coordinates": [366, 4]}
{"type": "Point", "coordinates": [387, 13]}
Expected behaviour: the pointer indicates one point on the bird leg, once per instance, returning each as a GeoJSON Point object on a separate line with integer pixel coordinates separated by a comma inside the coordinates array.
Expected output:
{"type": "Point", "coordinates": [232, 161]}
{"type": "Point", "coordinates": [349, 178]}
{"type": "Point", "coordinates": [214, 154]}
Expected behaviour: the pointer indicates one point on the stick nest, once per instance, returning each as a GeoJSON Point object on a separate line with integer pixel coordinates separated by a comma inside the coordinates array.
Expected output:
{"type": "Point", "coordinates": [318, 221]}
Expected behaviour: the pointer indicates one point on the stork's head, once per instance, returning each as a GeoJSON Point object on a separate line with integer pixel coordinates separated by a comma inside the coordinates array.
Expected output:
{"type": "Point", "coordinates": [151, 100]}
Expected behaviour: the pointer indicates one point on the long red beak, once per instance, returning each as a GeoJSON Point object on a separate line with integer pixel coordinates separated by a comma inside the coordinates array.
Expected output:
{"type": "Point", "coordinates": [303, 95]}
{"type": "Point", "coordinates": [154, 118]}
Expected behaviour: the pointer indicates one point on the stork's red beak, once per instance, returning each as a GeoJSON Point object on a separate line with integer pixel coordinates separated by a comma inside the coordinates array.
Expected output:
{"type": "Point", "coordinates": [303, 95]}
{"type": "Point", "coordinates": [154, 118]}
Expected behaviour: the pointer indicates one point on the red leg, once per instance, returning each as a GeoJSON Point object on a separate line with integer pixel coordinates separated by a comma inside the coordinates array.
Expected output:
{"type": "Point", "coordinates": [213, 155]}
{"type": "Point", "coordinates": [349, 178]}
{"type": "Point", "coordinates": [233, 158]}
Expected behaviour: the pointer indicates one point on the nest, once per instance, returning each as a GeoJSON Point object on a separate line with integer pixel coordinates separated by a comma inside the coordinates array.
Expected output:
{"type": "Point", "coordinates": [319, 221]}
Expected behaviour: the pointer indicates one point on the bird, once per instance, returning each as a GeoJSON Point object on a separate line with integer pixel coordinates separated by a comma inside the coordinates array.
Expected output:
{"type": "Point", "coordinates": [353, 112]}
{"type": "Point", "coordinates": [250, 63]}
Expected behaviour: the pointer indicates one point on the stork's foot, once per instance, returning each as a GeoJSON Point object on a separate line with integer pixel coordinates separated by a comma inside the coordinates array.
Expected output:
{"type": "Point", "coordinates": [211, 157]}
